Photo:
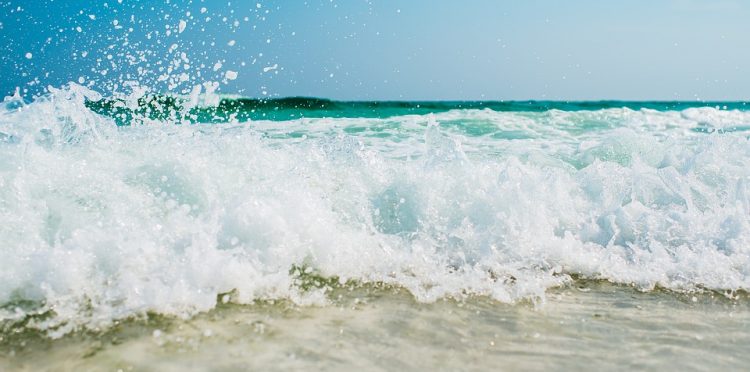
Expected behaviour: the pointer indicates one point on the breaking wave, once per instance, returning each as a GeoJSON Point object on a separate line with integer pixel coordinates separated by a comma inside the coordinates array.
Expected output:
{"type": "Point", "coordinates": [100, 221]}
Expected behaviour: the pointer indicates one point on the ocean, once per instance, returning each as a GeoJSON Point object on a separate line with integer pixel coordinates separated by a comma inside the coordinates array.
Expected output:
{"type": "Point", "coordinates": [149, 232]}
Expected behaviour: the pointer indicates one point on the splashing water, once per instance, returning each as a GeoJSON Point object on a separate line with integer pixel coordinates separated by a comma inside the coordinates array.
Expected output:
{"type": "Point", "coordinates": [100, 222]}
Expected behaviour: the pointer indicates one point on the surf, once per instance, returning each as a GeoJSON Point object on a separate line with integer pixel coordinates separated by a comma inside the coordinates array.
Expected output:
{"type": "Point", "coordinates": [101, 222]}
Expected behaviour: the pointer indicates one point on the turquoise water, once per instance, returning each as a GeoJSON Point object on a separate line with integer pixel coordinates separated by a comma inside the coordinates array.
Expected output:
{"type": "Point", "coordinates": [244, 109]}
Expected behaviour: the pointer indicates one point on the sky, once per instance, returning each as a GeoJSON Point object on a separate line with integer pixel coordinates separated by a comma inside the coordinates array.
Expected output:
{"type": "Point", "coordinates": [384, 50]}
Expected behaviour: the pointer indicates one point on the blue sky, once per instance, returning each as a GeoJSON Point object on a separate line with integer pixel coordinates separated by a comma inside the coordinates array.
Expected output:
{"type": "Point", "coordinates": [357, 49]}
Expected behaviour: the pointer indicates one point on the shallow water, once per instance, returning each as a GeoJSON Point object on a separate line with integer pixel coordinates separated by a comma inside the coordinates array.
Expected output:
{"type": "Point", "coordinates": [589, 325]}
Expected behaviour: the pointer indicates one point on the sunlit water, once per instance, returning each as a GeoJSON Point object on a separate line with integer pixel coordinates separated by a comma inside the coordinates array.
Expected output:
{"type": "Point", "coordinates": [481, 222]}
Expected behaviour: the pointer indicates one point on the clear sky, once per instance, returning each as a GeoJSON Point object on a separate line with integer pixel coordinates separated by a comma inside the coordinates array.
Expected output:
{"type": "Point", "coordinates": [359, 50]}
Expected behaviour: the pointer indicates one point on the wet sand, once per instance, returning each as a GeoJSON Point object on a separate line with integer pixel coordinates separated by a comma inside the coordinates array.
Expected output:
{"type": "Point", "coordinates": [588, 325]}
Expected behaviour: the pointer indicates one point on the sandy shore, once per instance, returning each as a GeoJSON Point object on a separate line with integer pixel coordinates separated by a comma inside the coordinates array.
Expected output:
{"type": "Point", "coordinates": [588, 326]}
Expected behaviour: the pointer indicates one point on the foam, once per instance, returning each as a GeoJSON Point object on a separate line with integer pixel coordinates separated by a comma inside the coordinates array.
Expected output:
{"type": "Point", "coordinates": [99, 222]}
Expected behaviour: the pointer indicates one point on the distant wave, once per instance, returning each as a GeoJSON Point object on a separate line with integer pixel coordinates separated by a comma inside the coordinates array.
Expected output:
{"type": "Point", "coordinates": [290, 108]}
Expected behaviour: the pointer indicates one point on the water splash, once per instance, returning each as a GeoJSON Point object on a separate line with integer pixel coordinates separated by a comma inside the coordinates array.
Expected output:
{"type": "Point", "coordinates": [99, 222]}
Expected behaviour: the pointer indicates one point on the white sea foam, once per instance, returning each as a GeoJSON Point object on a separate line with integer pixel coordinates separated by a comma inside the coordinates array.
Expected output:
{"type": "Point", "coordinates": [98, 222]}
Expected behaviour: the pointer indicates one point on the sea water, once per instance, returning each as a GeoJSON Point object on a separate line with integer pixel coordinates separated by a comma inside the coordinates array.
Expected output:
{"type": "Point", "coordinates": [169, 232]}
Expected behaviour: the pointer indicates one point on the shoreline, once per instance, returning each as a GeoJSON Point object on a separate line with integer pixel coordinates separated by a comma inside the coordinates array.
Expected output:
{"type": "Point", "coordinates": [583, 325]}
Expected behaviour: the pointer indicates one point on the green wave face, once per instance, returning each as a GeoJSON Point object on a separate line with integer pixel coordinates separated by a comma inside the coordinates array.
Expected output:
{"type": "Point", "coordinates": [159, 107]}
